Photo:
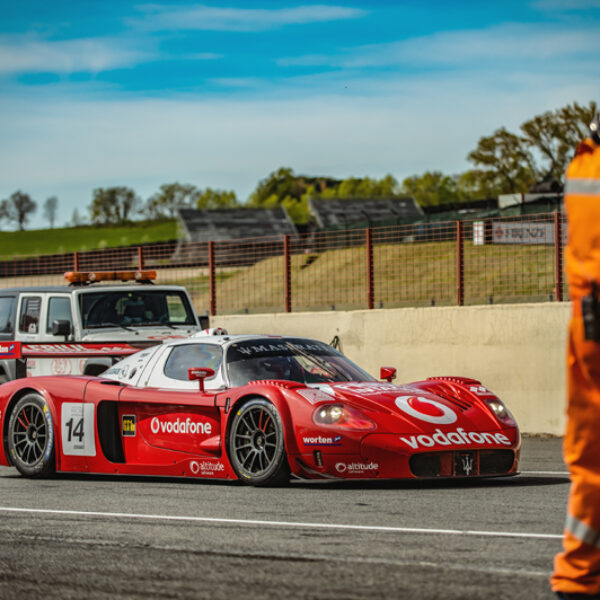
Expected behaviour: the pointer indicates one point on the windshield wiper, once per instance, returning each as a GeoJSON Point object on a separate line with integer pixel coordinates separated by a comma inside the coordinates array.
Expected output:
{"type": "Point", "coordinates": [159, 323]}
{"type": "Point", "coordinates": [107, 324]}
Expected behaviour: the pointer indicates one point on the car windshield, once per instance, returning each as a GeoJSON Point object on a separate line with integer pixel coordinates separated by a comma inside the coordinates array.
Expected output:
{"type": "Point", "coordinates": [292, 359]}
{"type": "Point", "coordinates": [135, 308]}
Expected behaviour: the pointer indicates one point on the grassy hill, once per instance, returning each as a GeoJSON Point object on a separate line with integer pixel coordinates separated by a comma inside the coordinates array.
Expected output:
{"type": "Point", "coordinates": [86, 237]}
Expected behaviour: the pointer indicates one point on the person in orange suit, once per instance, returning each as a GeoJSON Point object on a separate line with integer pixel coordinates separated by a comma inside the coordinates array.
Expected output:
{"type": "Point", "coordinates": [577, 569]}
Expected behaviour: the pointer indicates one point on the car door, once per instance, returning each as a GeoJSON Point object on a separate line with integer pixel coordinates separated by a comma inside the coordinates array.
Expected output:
{"type": "Point", "coordinates": [170, 412]}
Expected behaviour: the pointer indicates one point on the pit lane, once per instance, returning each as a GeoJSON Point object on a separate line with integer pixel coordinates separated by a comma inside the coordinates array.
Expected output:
{"type": "Point", "coordinates": [95, 537]}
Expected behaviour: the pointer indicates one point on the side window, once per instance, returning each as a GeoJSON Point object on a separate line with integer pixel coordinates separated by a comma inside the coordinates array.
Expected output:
{"type": "Point", "coordinates": [59, 309]}
{"type": "Point", "coordinates": [7, 324]}
{"type": "Point", "coordinates": [192, 355]}
{"type": "Point", "coordinates": [29, 319]}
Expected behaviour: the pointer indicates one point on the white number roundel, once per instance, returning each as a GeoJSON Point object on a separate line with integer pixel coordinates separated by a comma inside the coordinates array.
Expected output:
{"type": "Point", "coordinates": [426, 409]}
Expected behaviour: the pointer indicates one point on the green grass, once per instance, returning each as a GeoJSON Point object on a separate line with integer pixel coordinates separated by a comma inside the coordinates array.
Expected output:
{"type": "Point", "coordinates": [87, 237]}
{"type": "Point", "coordinates": [404, 275]}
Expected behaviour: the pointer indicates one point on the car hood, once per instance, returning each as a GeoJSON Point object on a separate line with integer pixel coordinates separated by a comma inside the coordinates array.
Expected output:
{"type": "Point", "coordinates": [406, 409]}
{"type": "Point", "coordinates": [135, 334]}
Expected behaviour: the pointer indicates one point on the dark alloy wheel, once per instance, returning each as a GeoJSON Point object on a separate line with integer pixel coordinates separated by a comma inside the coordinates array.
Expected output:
{"type": "Point", "coordinates": [31, 437]}
{"type": "Point", "coordinates": [256, 445]}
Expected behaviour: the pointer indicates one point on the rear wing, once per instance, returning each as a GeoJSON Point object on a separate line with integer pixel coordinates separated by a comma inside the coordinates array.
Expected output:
{"type": "Point", "coordinates": [22, 352]}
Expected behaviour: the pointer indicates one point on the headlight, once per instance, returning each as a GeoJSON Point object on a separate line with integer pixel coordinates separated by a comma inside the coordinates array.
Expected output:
{"type": "Point", "coordinates": [341, 416]}
{"type": "Point", "coordinates": [500, 411]}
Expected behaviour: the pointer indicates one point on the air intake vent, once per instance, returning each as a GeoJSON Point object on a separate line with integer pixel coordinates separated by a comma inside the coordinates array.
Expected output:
{"type": "Point", "coordinates": [447, 391]}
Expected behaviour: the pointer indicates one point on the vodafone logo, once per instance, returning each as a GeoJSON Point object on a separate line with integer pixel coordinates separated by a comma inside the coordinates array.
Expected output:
{"type": "Point", "coordinates": [179, 426]}
{"type": "Point", "coordinates": [426, 409]}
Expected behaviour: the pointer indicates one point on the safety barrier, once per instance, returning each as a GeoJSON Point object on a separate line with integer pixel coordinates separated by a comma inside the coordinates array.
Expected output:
{"type": "Point", "coordinates": [500, 260]}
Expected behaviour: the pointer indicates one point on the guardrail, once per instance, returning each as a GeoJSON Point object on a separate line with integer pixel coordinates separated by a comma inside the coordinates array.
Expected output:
{"type": "Point", "coordinates": [517, 259]}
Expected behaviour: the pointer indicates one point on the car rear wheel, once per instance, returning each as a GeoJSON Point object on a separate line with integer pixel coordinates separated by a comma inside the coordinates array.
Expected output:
{"type": "Point", "coordinates": [256, 444]}
{"type": "Point", "coordinates": [31, 437]}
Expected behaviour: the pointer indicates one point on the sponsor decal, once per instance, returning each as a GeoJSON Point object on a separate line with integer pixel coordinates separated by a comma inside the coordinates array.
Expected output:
{"type": "Point", "coordinates": [128, 425]}
{"type": "Point", "coordinates": [457, 437]}
{"type": "Point", "coordinates": [320, 440]}
{"type": "Point", "coordinates": [180, 426]}
{"type": "Point", "coordinates": [480, 390]}
{"type": "Point", "coordinates": [315, 395]}
{"type": "Point", "coordinates": [12, 350]}
{"type": "Point", "coordinates": [275, 347]}
{"type": "Point", "coordinates": [356, 467]}
{"type": "Point", "coordinates": [89, 349]}
{"type": "Point", "coordinates": [367, 388]}
{"type": "Point", "coordinates": [206, 467]}
{"type": "Point", "coordinates": [426, 409]}
{"type": "Point", "coordinates": [61, 366]}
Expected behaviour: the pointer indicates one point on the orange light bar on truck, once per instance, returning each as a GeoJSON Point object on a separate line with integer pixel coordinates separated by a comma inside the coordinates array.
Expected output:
{"type": "Point", "coordinates": [94, 276]}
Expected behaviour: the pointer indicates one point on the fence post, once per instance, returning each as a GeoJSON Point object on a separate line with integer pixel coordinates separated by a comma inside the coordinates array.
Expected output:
{"type": "Point", "coordinates": [558, 256]}
{"type": "Point", "coordinates": [287, 273]}
{"type": "Point", "coordinates": [370, 272]}
{"type": "Point", "coordinates": [212, 287]}
{"type": "Point", "coordinates": [460, 264]}
{"type": "Point", "coordinates": [140, 258]}
{"type": "Point", "coordinates": [75, 261]}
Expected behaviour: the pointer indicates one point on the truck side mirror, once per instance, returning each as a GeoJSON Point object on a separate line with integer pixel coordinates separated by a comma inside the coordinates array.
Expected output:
{"type": "Point", "coordinates": [387, 373]}
{"type": "Point", "coordinates": [204, 321]}
{"type": "Point", "coordinates": [61, 327]}
{"type": "Point", "coordinates": [200, 374]}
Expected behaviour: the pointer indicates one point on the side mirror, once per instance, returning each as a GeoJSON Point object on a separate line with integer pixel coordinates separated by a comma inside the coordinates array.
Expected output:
{"type": "Point", "coordinates": [60, 327]}
{"type": "Point", "coordinates": [200, 374]}
{"type": "Point", "coordinates": [387, 373]}
{"type": "Point", "coordinates": [204, 321]}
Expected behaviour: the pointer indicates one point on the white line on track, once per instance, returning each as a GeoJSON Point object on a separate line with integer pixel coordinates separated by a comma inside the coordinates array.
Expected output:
{"type": "Point", "coordinates": [564, 473]}
{"type": "Point", "coordinates": [284, 524]}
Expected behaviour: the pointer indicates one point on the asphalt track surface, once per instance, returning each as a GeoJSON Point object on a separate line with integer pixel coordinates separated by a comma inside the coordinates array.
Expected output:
{"type": "Point", "coordinates": [109, 537]}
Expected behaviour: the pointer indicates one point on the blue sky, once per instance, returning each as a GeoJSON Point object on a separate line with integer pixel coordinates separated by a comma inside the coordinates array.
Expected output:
{"type": "Point", "coordinates": [96, 94]}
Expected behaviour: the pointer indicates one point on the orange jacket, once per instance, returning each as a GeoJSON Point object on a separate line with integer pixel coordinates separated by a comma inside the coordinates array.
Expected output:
{"type": "Point", "coordinates": [582, 204]}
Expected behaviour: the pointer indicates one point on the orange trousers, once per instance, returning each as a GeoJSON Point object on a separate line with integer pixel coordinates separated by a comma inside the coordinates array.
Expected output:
{"type": "Point", "coordinates": [577, 569]}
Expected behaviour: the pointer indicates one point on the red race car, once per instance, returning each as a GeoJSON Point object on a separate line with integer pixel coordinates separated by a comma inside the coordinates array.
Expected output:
{"type": "Point", "coordinates": [259, 409]}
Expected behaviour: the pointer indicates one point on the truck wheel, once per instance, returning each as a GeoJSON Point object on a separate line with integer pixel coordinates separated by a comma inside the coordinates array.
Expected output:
{"type": "Point", "coordinates": [31, 437]}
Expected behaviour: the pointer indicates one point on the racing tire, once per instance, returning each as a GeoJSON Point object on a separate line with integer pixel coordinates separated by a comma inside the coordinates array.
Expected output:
{"type": "Point", "coordinates": [256, 445]}
{"type": "Point", "coordinates": [31, 437]}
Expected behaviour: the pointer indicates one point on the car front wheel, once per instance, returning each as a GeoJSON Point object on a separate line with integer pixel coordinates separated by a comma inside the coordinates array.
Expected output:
{"type": "Point", "coordinates": [256, 444]}
{"type": "Point", "coordinates": [31, 437]}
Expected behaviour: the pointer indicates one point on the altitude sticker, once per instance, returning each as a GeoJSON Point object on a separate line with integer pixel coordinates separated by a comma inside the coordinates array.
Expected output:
{"type": "Point", "coordinates": [77, 429]}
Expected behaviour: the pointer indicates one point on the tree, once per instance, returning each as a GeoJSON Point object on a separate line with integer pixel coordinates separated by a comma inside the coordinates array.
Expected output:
{"type": "Point", "coordinates": [431, 189]}
{"type": "Point", "coordinates": [76, 220]}
{"type": "Point", "coordinates": [115, 205]}
{"type": "Point", "coordinates": [505, 160]}
{"type": "Point", "coordinates": [280, 183]}
{"type": "Point", "coordinates": [553, 135]}
{"type": "Point", "coordinates": [18, 208]}
{"type": "Point", "coordinates": [172, 196]}
{"type": "Point", "coordinates": [510, 163]}
{"type": "Point", "coordinates": [50, 207]}
{"type": "Point", "coordinates": [209, 198]}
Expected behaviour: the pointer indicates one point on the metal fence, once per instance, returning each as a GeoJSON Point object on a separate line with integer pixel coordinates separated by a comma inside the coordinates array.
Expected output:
{"type": "Point", "coordinates": [518, 259]}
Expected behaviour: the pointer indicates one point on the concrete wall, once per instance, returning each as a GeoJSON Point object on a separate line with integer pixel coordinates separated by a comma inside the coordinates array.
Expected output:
{"type": "Point", "coordinates": [516, 350]}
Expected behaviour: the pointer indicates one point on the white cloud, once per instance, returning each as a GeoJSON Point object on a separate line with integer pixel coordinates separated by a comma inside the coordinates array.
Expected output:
{"type": "Point", "coordinates": [500, 44]}
{"type": "Point", "coordinates": [67, 147]}
{"type": "Point", "coordinates": [201, 17]}
{"type": "Point", "coordinates": [31, 54]}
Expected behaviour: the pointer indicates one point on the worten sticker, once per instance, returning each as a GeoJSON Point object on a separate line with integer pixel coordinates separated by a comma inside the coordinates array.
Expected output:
{"type": "Point", "coordinates": [77, 429]}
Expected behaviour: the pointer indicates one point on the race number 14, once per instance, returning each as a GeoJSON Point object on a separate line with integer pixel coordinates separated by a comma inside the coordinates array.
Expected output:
{"type": "Point", "coordinates": [77, 429]}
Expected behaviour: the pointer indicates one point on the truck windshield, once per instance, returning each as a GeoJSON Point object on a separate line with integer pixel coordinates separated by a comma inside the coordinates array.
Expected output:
{"type": "Point", "coordinates": [295, 359]}
{"type": "Point", "coordinates": [121, 308]}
